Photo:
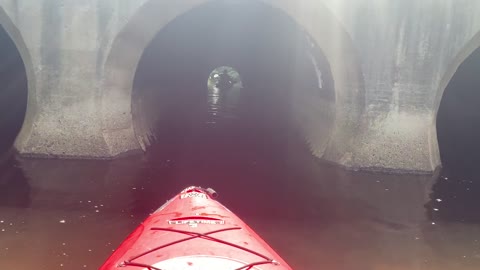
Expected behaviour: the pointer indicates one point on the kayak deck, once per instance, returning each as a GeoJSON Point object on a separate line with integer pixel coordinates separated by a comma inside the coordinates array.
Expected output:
{"type": "Point", "coordinates": [194, 231]}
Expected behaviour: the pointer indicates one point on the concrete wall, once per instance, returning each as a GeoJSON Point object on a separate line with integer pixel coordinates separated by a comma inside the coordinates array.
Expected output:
{"type": "Point", "coordinates": [407, 49]}
{"type": "Point", "coordinates": [390, 61]}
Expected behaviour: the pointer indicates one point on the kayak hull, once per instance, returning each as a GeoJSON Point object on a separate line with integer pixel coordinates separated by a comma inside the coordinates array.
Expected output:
{"type": "Point", "coordinates": [194, 231]}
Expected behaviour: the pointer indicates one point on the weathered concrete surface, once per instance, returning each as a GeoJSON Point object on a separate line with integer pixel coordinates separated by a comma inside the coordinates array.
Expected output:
{"type": "Point", "coordinates": [406, 48]}
{"type": "Point", "coordinates": [60, 49]}
{"type": "Point", "coordinates": [390, 61]}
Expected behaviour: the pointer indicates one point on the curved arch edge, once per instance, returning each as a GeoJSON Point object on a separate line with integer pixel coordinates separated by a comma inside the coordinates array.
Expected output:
{"type": "Point", "coordinates": [472, 45]}
{"type": "Point", "coordinates": [15, 34]}
{"type": "Point", "coordinates": [127, 48]}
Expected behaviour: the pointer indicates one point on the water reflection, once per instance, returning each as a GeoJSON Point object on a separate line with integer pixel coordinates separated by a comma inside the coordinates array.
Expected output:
{"type": "Point", "coordinates": [15, 190]}
{"type": "Point", "coordinates": [316, 215]}
{"type": "Point", "coordinates": [455, 197]}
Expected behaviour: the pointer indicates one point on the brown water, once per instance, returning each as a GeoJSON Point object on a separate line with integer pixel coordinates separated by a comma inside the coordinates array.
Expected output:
{"type": "Point", "coordinates": [65, 214]}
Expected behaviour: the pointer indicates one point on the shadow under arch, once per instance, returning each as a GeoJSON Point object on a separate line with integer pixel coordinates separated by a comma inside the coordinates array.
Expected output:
{"type": "Point", "coordinates": [321, 25]}
{"type": "Point", "coordinates": [16, 36]}
{"type": "Point", "coordinates": [463, 54]}
{"type": "Point", "coordinates": [457, 128]}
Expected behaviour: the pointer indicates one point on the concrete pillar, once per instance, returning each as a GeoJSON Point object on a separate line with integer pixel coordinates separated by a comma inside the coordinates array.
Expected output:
{"type": "Point", "coordinates": [406, 49]}
{"type": "Point", "coordinates": [64, 48]}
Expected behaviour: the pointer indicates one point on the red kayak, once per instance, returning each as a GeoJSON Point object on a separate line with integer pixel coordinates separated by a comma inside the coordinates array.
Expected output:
{"type": "Point", "coordinates": [193, 231]}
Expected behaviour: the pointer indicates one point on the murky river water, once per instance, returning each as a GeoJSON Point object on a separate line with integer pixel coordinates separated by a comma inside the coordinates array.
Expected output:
{"type": "Point", "coordinates": [66, 214]}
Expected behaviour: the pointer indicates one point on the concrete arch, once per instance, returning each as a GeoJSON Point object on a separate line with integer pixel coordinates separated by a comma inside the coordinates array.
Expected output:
{"type": "Point", "coordinates": [464, 53]}
{"type": "Point", "coordinates": [461, 56]}
{"type": "Point", "coordinates": [326, 31]}
{"type": "Point", "coordinates": [31, 112]}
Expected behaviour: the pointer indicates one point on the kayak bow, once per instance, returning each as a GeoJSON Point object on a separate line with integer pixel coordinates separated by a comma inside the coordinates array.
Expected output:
{"type": "Point", "coordinates": [193, 231]}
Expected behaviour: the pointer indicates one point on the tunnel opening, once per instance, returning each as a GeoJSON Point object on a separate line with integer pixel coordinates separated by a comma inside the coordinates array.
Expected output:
{"type": "Point", "coordinates": [457, 192]}
{"type": "Point", "coordinates": [286, 81]}
{"type": "Point", "coordinates": [13, 92]}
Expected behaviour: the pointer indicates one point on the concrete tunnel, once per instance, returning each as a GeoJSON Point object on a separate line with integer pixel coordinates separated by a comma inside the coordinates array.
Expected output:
{"type": "Point", "coordinates": [285, 82]}
{"type": "Point", "coordinates": [458, 119]}
{"type": "Point", "coordinates": [458, 130]}
{"type": "Point", "coordinates": [13, 92]}
{"type": "Point", "coordinates": [323, 117]}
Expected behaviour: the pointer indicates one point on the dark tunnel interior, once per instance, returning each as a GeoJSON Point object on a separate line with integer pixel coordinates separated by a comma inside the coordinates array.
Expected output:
{"type": "Point", "coordinates": [270, 52]}
{"type": "Point", "coordinates": [13, 92]}
{"type": "Point", "coordinates": [458, 120]}
{"type": "Point", "coordinates": [458, 129]}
